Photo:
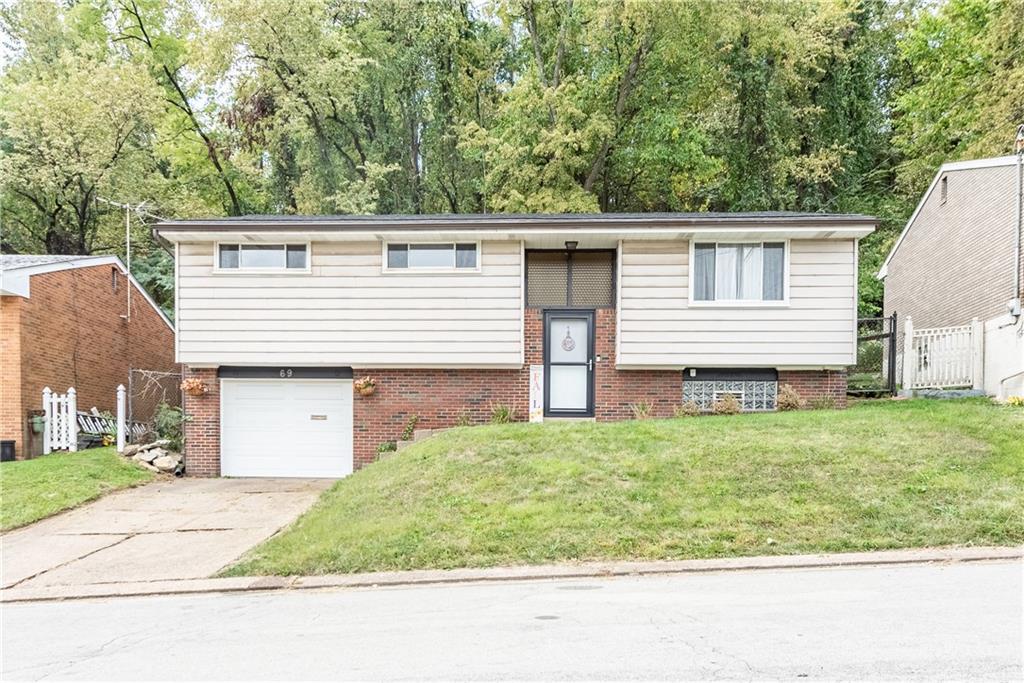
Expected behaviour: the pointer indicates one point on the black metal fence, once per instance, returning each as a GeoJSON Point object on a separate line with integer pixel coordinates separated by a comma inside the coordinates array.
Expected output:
{"type": "Point", "coordinates": [875, 371]}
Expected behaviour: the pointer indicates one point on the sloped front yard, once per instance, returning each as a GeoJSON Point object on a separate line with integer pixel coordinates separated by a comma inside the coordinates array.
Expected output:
{"type": "Point", "coordinates": [879, 475]}
{"type": "Point", "coordinates": [33, 489]}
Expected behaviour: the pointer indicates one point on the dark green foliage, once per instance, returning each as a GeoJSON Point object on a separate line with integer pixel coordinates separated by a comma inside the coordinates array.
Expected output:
{"type": "Point", "coordinates": [169, 422]}
{"type": "Point", "coordinates": [410, 428]}
{"type": "Point", "coordinates": [317, 106]}
{"type": "Point", "coordinates": [155, 272]}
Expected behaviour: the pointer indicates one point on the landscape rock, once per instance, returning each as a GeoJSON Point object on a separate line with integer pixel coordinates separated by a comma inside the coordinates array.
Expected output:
{"type": "Point", "coordinates": [160, 443]}
{"type": "Point", "coordinates": [150, 455]}
{"type": "Point", "coordinates": [145, 464]}
{"type": "Point", "coordinates": [168, 462]}
{"type": "Point", "coordinates": [130, 450]}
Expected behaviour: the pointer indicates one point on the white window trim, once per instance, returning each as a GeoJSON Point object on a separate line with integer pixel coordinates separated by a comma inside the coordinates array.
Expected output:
{"type": "Point", "coordinates": [263, 271]}
{"type": "Point", "coordinates": [739, 303]}
{"type": "Point", "coordinates": [435, 269]}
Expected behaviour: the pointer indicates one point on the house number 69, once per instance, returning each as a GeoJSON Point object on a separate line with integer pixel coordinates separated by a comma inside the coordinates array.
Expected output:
{"type": "Point", "coordinates": [286, 373]}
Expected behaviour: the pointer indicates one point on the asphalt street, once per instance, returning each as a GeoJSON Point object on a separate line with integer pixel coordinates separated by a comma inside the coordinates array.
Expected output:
{"type": "Point", "coordinates": [953, 621]}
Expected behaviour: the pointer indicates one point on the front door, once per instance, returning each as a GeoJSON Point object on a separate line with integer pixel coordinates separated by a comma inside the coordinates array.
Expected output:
{"type": "Point", "coordinates": [569, 363]}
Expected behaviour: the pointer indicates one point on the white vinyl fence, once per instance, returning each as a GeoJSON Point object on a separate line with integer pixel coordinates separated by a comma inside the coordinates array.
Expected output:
{"type": "Point", "coordinates": [60, 431]}
{"type": "Point", "coordinates": [942, 357]}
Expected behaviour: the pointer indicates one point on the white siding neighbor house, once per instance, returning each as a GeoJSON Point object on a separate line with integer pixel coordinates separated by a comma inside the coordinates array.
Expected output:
{"type": "Point", "coordinates": [337, 331]}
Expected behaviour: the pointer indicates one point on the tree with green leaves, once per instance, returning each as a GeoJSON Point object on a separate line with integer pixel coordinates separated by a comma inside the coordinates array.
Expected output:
{"type": "Point", "coordinates": [225, 107]}
{"type": "Point", "coordinates": [76, 126]}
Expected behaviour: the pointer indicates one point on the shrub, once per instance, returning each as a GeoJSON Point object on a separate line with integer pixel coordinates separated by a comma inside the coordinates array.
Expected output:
{"type": "Point", "coordinates": [169, 422]}
{"type": "Point", "coordinates": [823, 403]}
{"type": "Point", "coordinates": [686, 409]}
{"type": "Point", "coordinates": [788, 399]}
{"type": "Point", "coordinates": [463, 420]}
{"type": "Point", "coordinates": [386, 447]}
{"type": "Point", "coordinates": [641, 410]}
{"type": "Point", "coordinates": [870, 355]}
{"type": "Point", "coordinates": [502, 414]}
{"type": "Point", "coordinates": [727, 405]}
{"type": "Point", "coordinates": [410, 427]}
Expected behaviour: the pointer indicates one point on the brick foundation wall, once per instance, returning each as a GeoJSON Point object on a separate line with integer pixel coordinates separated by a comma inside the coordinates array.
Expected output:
{"type": "Point", "coordinates": [71, 334]}
{"type": "Point", "coordinates": [202, 428]}
{"type": "Point", "coordinates": [817, 386]}
{"type": "Point", "coordinates": [615, 391]}
{"type": "Point", "coordinates": [440, 398]}
{"type": "Point", "coordinates": [444, 398]}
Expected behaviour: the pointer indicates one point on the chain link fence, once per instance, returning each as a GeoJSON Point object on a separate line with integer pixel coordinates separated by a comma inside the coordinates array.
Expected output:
{"type": "Point", "coordinates": [147, 391]}
{"type": "Point", "coordinates": [875, 372]}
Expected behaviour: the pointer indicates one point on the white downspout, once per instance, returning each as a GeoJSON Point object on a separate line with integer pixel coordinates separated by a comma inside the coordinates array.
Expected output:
{"type": "Point", "coordinates": [1019, 149]}
{"type": "Point", "coordinates": [1018, 259]}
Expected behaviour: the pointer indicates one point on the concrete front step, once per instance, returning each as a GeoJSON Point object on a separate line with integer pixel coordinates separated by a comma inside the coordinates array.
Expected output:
{"type": "Point", "coordinates": [418, 435]}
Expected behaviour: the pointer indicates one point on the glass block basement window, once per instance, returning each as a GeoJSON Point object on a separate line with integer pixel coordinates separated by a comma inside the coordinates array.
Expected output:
{"type": "Point", "coordinates": [753, 395]}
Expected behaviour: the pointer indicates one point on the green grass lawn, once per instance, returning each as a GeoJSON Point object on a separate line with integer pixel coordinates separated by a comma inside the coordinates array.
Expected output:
{"type": "Point", "coordinates": [883, 474]}
{"type": "Point", "coordinates": [43, 486]}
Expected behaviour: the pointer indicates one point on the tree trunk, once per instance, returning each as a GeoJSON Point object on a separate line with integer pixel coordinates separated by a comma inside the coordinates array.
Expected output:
{"type": "Point", "coordinates": [626, 85]}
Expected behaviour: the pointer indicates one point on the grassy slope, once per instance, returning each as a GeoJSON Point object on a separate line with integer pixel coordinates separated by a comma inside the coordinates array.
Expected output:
{"type": "Point", "coordinates": [33, 489]}
{"type": "Point", "coordinates": [879, 475]}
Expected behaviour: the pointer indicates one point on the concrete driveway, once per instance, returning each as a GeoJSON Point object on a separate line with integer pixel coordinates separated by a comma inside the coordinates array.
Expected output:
{"type": "Point", "coordinates": [176, 529]}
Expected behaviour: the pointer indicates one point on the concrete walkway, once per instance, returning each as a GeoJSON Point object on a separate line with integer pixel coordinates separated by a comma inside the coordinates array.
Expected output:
{"type": "Point", "coordinates": [38, 593]}
{"type": "Point", "coordinates": [171, 530]}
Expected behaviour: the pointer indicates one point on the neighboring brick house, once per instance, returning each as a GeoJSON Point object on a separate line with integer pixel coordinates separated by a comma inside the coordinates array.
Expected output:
{"type": "Point", "coordinates": [957, 259]}
{"type": "Point", "coordinates": [455, 315]}
{"type": "Point", "coordinates": [64, 322]}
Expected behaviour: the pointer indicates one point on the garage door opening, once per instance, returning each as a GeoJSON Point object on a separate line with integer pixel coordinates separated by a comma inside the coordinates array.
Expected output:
{"type": "Point", "coordinates": [286, 427]}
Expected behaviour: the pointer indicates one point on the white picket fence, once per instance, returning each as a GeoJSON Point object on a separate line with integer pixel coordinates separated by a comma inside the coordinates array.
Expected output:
{"type": "Point", "coordinates": [60, 431]}
{"type": "Point", "coordinates": [942, 357]}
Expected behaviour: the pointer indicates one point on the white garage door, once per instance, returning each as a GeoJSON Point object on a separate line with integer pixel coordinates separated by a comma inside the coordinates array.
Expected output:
{"type": "Point", "coordinates": [286, 428]}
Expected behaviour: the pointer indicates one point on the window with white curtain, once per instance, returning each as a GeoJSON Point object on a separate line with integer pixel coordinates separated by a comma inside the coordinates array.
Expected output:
{"type": "Point", "coordinates": [747, 271]}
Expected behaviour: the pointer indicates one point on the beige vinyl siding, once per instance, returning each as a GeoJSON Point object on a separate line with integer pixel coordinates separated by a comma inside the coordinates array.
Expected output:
{"type": "Point", "coordinates": [956, 261]}
{"type": "Point", "coordinates": [347, 312]}
{"type": "Point", "coordinates": [659, 328]}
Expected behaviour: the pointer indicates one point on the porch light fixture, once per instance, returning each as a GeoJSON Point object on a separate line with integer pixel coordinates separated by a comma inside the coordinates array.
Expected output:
{"type": "Point", "coordinates": [570, 245]}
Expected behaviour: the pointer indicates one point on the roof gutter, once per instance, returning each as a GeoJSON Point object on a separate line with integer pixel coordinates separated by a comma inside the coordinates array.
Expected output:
{"type": "Point", "coordinates": [162, 241]}
{"type": "Point", "coordinates": [539, 223]}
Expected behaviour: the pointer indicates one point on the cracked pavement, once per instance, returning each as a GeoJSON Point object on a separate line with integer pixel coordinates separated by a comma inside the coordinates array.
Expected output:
{"type": "Point", "coordinates": [170, 529]}
{"type": "Point", "coordinates": [927, 621]}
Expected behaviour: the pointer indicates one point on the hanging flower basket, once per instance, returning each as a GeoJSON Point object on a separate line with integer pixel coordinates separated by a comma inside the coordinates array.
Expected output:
{"type": "Point", "coordinates": [366, 386]}
{"type": "Point", "coordinates": [193, 386]}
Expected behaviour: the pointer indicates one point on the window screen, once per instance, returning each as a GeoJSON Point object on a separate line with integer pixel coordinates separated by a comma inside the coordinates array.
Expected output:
{"type": "Point", "coordinates": [581, 279]}
{"type": "Point", "coordinates": [593, 283]}
{"type": "Point", "coordinates": [296, 256]}
{"type": "Point", "coordinates": [547, 276]}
